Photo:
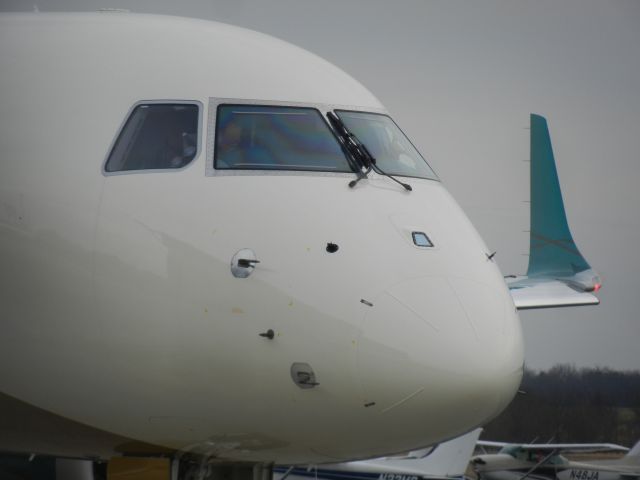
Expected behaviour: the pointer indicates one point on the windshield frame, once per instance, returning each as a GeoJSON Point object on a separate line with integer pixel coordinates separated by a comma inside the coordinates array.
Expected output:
{"type": "Point", "coordinates": [323, 108]}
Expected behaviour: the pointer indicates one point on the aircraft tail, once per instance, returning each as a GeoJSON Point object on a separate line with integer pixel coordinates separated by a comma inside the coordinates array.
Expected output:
{"type": "Point", "coordinates": [558, 275]}
{"type": "Point", "coordinates": [552, 249]}
{"type": "Point", "coordinates": [634, 453]}
{"type": "Point", "coordinates": [450, 459]}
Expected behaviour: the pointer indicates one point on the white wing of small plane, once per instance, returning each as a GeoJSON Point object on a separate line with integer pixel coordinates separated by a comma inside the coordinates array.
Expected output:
{"type": "Point", "coordinates": [557, 447]}
{"type": "Point", "coordinates": [558, 275]}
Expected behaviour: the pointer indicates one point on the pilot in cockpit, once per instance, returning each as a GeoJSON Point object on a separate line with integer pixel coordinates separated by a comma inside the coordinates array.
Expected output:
{"type": "Point", "coordinates": [228, 152]}
{"type": "Point", "coordinates": [180, 143]}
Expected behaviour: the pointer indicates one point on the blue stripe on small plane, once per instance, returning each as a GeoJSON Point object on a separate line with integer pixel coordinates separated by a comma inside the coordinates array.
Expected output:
{"type": "Point", "coordinates": [325, 474]}
{"type": "Point", "coordinates": [330, 474]}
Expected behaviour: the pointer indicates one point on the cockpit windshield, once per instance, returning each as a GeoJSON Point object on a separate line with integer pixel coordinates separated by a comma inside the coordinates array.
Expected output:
{"type": "Point", "coordinates": [533, 455]}
{"type": "Point", "coordinates": [259, 137]}
{"type": "Point", "coordinates": [513, 450]}
{"type": "Point", "coordinates": [279, 137]}
{"type": "Point", "coordinates": [392, 150]}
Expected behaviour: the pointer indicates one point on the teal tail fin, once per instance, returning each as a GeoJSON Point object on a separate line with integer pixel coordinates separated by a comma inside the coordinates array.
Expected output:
{"type": "Point", "coordinates": [552, 249]}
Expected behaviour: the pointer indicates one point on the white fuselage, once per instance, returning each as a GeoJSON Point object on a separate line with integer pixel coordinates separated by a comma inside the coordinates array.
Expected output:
{"type": "Point", "coordinates": [503, 466]}
{"type": "Point", "coordinates": [594, 471]}
{"type": "Point", "coordinates": [118, 307]}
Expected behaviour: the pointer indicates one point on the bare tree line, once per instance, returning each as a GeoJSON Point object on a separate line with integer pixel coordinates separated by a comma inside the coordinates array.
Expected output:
{"type": "Point", "coordinates": [566, 404]}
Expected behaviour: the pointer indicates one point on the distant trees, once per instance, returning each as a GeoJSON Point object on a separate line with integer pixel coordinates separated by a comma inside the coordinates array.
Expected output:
{"type": "Point", "coordinates": [565, 404]}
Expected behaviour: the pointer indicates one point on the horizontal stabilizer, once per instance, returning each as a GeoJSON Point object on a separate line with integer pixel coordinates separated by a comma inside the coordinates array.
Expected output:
{"type": "Point", "coordinates": [548, 294]}
{"type": "Point", "coordinates": [558, 275]}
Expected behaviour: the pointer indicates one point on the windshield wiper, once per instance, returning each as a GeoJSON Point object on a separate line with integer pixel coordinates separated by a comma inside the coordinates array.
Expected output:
{"type": "Point", "coordinates": [359, 152]}
{"type": "Point", "coordinates": [351, 145]}
{"type": "Point", "coordinates": [378, 170]}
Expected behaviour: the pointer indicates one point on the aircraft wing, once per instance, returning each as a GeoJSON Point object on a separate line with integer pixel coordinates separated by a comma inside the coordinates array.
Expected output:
{"type": "Point", "coordinates": [557, 447]}
{"type": "Point", "coordinates": [558, 275]}
{"type": "Point", "coordinates": [491, 444]}
{"type": "Point", "coordinates": [574, 447]}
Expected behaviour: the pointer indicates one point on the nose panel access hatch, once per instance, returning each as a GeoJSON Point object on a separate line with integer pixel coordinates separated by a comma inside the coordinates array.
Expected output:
{"type": "Point", "coordinates": [434, 348]}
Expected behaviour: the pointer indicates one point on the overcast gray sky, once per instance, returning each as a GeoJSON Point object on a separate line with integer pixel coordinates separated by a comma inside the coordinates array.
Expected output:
{"type": "Point", "coordinates": [461, 78]}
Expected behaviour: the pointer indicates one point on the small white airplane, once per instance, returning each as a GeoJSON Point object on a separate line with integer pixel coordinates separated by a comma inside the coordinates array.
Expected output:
{"type": "Point", "coordinates": [444, 461]}
{"type": "Point", "coordinates": [214, 243]}
{"type": "Point", "coordinates": [546, 462]}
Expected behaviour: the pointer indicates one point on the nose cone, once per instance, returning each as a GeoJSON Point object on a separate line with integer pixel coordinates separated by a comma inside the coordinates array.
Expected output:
{"type": "Point", "coordinates": [440, 355]}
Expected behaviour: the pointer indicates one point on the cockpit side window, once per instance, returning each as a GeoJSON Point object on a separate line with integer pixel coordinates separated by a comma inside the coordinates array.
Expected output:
{"type": "Point", "coordinates": [393, 151]}
{"type": "Point", "coordinates": [261, 137]}
{"type": "Point", "coordinates": [156, 136]}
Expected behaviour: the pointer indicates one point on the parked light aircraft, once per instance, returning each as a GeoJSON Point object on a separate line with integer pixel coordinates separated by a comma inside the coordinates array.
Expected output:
{"type": "Point", "coordinates": [546, 462]}
{"type": "Point", "coordinates": [445, 461]}
{"type": "Point", "coordinates": [215, 243]}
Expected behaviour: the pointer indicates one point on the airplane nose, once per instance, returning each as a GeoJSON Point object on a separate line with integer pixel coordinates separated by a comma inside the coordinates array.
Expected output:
{"type": "Point", "coordinates": [446, 351]}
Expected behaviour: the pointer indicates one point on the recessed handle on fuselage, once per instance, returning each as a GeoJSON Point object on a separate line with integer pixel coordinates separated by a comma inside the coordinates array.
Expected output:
{"type": "Point", "coordinates": [247, 262]}
{"type": "Point", "coordinates": [243, 263]}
